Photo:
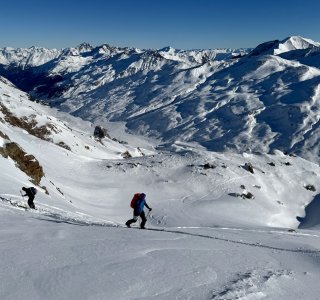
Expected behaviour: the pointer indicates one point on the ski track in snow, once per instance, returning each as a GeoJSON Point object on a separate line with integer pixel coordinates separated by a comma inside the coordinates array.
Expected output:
{"type": "Point", "coordinates": [56, 215]}
{"type": "Point", "coordinates": [51, 215]}
{"type": "Point", "coordinates": [254, 104]}
{"type": "Point", "coordinates": [251, 285]}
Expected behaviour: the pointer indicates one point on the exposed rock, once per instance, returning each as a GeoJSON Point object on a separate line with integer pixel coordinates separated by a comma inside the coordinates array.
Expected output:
{"type": "Point", "coordinates": [126, 155]}
{"type": "Point", "coordinates": [246, 194]}
{"type": "Point", "coordinates": [4, 136]}
{"type": "Point", "coordinates": [310, 187]}
{"type": "Point", "coordinates": [58, 189]}
{"type": "Point", "coordinates": [100, 132]}
{"type": "Point", "coordinates": [248, 167]}
{"type": "Point", "coordinates": [272, 164]}
{"type": "Point", "coordinates": [120, 142]}
{"type": "Point", "coordinates": [142, 154]}
{"type": "Point", "coordinates": [27, 163]}
{"type": "Point", "coordinates": [207, 166]}
{"type": "Point", "coordinates": [63, 145]}
{"type": "Point", "coordinates": [28, 124]}
{"type": "Point", "coordinates": [234, 194]}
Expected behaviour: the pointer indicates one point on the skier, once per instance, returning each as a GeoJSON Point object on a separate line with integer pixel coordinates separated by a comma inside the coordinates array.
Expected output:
{"type": "Point", "coordinates": [30, 192]}
{"type": "Point", "coordinates": [138, 203]}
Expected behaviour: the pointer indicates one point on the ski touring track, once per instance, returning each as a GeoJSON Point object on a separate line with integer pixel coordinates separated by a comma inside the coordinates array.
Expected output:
{"type": "Point", "coordinates": [52, 214]}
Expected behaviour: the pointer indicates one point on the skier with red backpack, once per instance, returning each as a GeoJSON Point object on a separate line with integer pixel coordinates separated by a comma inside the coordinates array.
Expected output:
{"type": "Point", "coordinates": [137, 203]}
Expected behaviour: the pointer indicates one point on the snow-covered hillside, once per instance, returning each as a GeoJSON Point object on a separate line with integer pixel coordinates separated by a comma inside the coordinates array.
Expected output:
{"type": "Point", "coordinates": [287, 45]}
{"type": "Point", "coordinates": [232, 225]}
{"type": "Point", "coordinates": [21, 115]}
{"type": "Point", "coordinates": [213, 221]}
{"type": "Point", "coordinates": [195, 181]}
{"type": "Point", "coordinates": [220, 99]}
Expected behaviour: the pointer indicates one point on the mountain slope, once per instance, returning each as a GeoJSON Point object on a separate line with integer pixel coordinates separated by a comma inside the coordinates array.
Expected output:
{"type": "Point", "coordinates": [75, 166]}
{"type": "Point", "coordinates": [212, 221]}
{"type": "Point", "coordinates": [287, 45]}
{"type": "Point", "coordinates": [264, 101]}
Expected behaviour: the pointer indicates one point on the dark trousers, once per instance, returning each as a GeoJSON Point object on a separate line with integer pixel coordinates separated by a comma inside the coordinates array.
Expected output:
{"type": "Point", "coordinates": [142, 215]}
{"type": "Point", "coordinates": [30, 202]}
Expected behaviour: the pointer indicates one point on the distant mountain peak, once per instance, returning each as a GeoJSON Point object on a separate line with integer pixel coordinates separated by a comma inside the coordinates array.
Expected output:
{"type": "Point", "coordinates": [295, 43]}
{"type": "Point", "coordinates": [213, 97]}
{"type": "Point", "coordinates": [84, 47]}
{"type": "Point", "coordinates": [300, 39]}
{"type": "Point", "coordinates": [277, 47]}
{"type": "Point", "coordinates": [167, 49]}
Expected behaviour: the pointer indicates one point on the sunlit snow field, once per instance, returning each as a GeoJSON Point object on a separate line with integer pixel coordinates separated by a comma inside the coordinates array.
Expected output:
{"type": "Point", "coordinates": [205, 239]}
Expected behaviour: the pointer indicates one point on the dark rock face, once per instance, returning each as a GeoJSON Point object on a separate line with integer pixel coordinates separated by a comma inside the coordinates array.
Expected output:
{"type": "Point", "coordinates": [126, 155]}
{"type": "Point", "coordinates": [100, 132]}
{"type": "Point", "coordinates": [249, 167]}
{"type": "Point", "coordinates": [27, 163]}
{"type": "Point", "coordinates": [208, 166]}
{"type": "Point", "coordinates": [310, 187]}
{"type": "Point", "coordinates": [264, 48]}
{"type": "Point", "coordinates": [29, 124]}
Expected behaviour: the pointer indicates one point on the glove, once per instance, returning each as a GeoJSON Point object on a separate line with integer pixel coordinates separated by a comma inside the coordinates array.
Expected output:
{"type": "Point", "coordinates": [150, 209]}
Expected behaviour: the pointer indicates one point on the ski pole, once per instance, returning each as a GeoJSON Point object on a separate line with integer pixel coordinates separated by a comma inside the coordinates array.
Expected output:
{"type": "Point", "coordinates": [22, 196]}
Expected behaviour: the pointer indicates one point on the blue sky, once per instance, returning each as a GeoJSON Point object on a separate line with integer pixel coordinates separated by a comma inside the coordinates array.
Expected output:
{"type": "Point", "coordinates": [183, 24]}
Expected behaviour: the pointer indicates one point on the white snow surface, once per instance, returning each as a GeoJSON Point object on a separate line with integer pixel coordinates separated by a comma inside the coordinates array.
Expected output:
{"type": "Point", "coordinates": [294, 43]}
{"type": "Point", "coordinates": [204, 240]}
{"type": "Point", "coordinates": [220, 99]}
{"type": "Point", "coordinates": [22, 57]}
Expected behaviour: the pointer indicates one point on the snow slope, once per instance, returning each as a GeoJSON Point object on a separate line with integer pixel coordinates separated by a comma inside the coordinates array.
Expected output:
{"type": "Point", "coordinates": [220, 99]}
{"type": "Point", "coordinates": [202, 227]}
{"type": "Point", "coordinates": [63, 261]}
{"type": "Point", "coordinates": [287, 45]}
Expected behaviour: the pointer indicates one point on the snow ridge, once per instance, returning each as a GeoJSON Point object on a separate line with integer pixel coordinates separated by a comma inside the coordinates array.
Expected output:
{"type": "Point", "coordinates": [203, 226]}
{"type": "Point", "coordinates": [220, 99]}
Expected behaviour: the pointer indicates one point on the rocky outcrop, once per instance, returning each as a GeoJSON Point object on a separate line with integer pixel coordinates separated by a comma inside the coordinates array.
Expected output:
{"type": "Point", "coordinates": [248, 167]}
{"type": "Point", "coordinates": [100, 132]}
{"type": "Point", "coordinates": [310, 187]}
{"type": "Point", "coordinates": [27, 163]}
{"type": "Point", "coordinates": [28, 124]}
{"type": "Point", "coordinates": [126, 155]}
{"type": "Point", "coordinates": [4, 136]}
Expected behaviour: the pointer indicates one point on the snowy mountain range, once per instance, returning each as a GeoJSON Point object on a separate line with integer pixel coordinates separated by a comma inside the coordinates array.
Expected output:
{"type": "Point", "coordinates": [240, 224]}
{"type": "Point", "coordinates": [257, 100]}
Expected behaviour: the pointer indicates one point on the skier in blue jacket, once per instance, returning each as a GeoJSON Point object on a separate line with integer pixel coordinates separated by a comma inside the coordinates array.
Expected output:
{"type": "Point", "coordinates": [139, 212]}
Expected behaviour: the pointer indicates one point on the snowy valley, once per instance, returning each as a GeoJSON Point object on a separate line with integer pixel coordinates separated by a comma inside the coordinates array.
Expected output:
{"type": "Point", "coordinates": [223, 142]}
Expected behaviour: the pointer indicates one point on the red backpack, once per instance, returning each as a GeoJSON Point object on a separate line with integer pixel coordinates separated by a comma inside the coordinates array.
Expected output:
{"type": "Point", "coordinates": [134, 199]}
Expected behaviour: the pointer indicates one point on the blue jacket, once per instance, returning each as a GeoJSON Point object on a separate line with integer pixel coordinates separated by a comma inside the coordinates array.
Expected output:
{"type": "Point", "coordinates": [139, 205]}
